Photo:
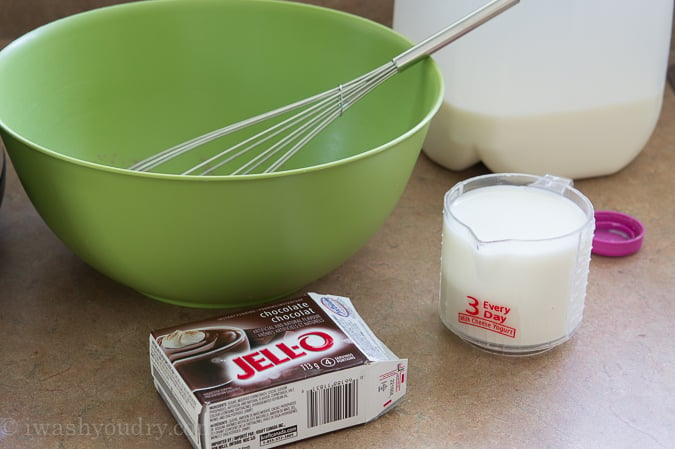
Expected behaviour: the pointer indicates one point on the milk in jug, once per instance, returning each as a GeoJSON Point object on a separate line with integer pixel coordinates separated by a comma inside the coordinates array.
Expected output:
{"type": "Point", "coordinates": [568, 87]}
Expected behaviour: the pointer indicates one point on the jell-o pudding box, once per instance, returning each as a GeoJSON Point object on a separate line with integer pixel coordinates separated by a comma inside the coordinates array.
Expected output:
{"type": "Point", "coordinates": [275, 374]}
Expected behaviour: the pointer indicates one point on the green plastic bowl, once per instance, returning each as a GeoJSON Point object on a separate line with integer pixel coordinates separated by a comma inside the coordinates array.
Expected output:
{"type": "Point", "coordinates": [84, 97]}
{"type": "Point", "coordinates": [3, 170]}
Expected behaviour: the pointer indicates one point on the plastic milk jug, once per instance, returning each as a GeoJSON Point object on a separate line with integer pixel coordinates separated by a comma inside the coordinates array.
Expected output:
{"type": "Point", "coordinates": [568, 87]}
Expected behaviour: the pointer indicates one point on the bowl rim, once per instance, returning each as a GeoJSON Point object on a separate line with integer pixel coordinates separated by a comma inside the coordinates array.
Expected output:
{"type": "Point", "coordinates": [37, 32]}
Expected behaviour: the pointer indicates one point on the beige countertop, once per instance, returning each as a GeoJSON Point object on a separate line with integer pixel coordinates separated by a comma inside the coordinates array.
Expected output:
{"type": "Point", "coordinates": [74, 369]}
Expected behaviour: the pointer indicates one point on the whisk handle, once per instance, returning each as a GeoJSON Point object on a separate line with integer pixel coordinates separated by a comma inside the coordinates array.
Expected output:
{"type": "Point", "coordinates": [451, 33]}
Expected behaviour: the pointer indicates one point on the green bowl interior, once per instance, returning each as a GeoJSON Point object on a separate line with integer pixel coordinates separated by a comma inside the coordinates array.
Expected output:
{"type": "Point", "coordinates": [87, 96]}
{"type": "Point", "coordinates": [116, 85]}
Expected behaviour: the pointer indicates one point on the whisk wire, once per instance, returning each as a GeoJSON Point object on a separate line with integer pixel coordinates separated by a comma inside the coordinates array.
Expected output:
{"type": "Point", "coordinates": [305, 125]}
{"type": "Point", "coordinates": [319, 121]}
{"type": "Point", "coordinates": [315, 112]}
{"type": "Point", "coordinates": [348, 96]}
{"type": "Point", "coordinates": [255, 140]}
{"type": "Point", "coordinates": [182, 148]}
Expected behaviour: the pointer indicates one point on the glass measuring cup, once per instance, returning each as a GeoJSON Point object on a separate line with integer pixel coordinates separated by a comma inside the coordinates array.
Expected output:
{"type": "Point", "coordinates": [515, 257]}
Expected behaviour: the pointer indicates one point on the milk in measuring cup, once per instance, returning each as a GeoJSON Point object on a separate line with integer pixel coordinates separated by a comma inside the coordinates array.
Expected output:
{"type": "Point", "coordinates": [514, 263]}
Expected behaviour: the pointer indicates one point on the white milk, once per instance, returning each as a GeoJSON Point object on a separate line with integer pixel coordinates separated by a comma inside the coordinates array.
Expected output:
{"type": "Point", "coordinates": [515, 280]}
{"type": "Point", "coordinates": [579, 143]}
{"type": "Point", "coordinates": [571, 87]}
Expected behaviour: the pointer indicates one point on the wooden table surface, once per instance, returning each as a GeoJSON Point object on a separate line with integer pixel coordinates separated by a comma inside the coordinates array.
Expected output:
{"type": "Point", "coordinates": [74, 369]}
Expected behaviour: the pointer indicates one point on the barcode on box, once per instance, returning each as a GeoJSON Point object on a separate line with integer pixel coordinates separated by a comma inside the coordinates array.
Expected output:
{"type": "Point", "coordinates": [332, 403]}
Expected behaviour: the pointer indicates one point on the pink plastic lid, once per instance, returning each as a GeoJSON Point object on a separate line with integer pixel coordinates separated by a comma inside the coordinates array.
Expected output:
{"type": "Point", "coordinates": [616, 234]}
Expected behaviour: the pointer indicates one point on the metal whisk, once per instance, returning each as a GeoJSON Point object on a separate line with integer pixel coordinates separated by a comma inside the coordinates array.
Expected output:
{"type": "Point", "coordinates": [286, 138]}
